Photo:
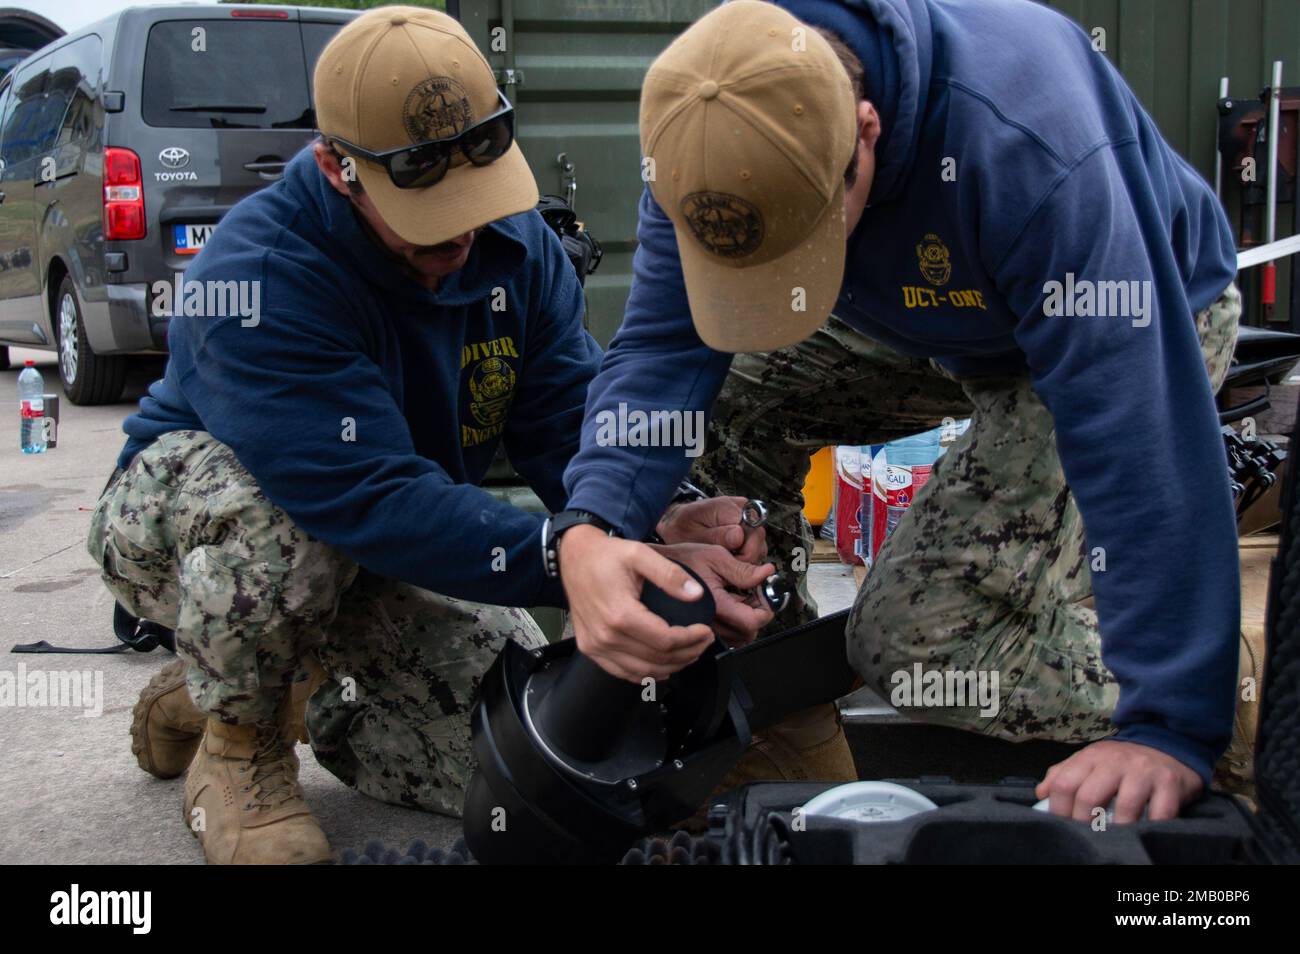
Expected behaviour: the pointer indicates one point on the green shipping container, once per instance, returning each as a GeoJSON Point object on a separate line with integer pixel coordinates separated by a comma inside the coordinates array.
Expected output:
{"type": "Point", "coordinates": [574, 69]}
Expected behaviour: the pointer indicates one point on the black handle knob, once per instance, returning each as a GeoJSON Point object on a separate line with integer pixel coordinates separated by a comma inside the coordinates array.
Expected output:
{"type": "Point", "coordinates": [679, 612]}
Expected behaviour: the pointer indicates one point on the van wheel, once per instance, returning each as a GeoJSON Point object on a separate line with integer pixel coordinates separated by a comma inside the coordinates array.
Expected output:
{"type": "Point", "coordinates": [88, 378]}
{"type": "Point", "coordinates": [4, 358]}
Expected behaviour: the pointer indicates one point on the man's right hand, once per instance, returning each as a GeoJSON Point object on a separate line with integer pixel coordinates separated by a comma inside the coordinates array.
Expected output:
{"type": "Point", "coordinates": [714, 520]}
{"type": "Point", "coordinates": [602, 578]}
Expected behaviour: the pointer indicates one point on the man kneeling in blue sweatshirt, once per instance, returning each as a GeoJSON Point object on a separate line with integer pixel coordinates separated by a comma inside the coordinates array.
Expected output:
{"type": "Point", "coordinates": [1023, 248]}
{"type": "Point", "coordinates": [301, 486]}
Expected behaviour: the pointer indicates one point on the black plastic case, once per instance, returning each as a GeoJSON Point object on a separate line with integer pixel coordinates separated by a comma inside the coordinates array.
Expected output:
{"type": "Point", "coordinates": [974, 824]}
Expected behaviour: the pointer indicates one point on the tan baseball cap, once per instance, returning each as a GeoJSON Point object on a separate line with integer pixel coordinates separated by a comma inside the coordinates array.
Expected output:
{"type": "Point", "coordinates": [750, 122]}
{"type": "Point", "coordinates": [396, 76]}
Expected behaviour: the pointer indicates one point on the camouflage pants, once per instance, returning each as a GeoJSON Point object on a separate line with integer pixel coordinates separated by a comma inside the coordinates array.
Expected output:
{"type": "Point", "coordinates": [986, 571]}
{"type": "Point", "coordinates": [185, 537]}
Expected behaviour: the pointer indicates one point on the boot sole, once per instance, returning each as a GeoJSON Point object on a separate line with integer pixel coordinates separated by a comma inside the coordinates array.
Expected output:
{"type": "Point", "coordinates": [185, 820]}
{"type": "Point", "coordinates": [140, 746]}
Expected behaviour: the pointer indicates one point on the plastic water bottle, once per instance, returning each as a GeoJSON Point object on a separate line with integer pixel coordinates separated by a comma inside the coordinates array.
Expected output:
{"type": "Point", "coordinates": [909, 461]}
{"type": "Point", "coordinates": [31, 410]}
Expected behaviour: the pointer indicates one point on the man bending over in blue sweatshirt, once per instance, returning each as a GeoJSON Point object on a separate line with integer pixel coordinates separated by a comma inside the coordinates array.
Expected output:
{"type": "Point", "coordinates": [302, 481]}
{"type": "Point", "coordinates": [1022, 247]}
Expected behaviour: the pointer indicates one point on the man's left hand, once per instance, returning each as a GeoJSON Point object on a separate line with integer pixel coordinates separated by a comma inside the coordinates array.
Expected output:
{"type": "Point", "coordinates": [717, 521]}
{"type": "Point", "coordinates": [1135, 776]}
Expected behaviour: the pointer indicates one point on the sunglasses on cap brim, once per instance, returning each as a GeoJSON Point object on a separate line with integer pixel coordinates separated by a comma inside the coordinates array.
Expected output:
{"type": "Point", "coordinates": [425, 163]}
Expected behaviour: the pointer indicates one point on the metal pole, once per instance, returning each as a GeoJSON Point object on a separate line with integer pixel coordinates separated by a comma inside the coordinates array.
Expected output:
{"type": "Point", "coordinates": [1274, 105]}
{"type": "Point", "coordinates": [1268, 287]}
{"type": "Point", "coordinates": [1218, 155]}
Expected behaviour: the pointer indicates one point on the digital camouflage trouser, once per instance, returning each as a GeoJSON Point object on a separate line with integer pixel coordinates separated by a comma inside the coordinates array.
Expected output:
{"type": "Point", "coordinates": [186, 538]}
{"type": "Point", "coordinates": [986, 571]}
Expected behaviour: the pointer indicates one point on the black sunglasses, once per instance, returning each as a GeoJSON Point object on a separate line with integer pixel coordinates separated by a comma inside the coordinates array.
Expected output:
{"type": "Point", "coordinates": [425, 163]}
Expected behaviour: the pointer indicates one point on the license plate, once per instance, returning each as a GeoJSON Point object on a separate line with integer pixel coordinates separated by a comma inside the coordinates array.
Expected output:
{"type": "Point", "coordinates": [190, 239]}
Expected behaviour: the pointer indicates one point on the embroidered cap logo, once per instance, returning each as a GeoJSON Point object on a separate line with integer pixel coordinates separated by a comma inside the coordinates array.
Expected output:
{"type": "Point", "coordinates": [436, 108]}
{"type": "Point", "coordinates": [725, 224]}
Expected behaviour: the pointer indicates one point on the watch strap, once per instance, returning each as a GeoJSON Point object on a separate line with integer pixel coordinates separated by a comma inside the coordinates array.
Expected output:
{"type": "Point", "coordinates": [556, 526]}
{"type": "Point", "coordinates": [687, 492]}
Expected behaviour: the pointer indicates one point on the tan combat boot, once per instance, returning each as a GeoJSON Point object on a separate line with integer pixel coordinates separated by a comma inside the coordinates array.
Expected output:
{"type": "Point", "coordinates": [301, 691]}
{"type": "Point", "coordinates": [1235, 771]}
{"type": "Point", "coordinates": [165, 725]}
{"type": "Point", "coordinates": [809, 746]}
{"type": "Point", "coordinates": [243, 801]}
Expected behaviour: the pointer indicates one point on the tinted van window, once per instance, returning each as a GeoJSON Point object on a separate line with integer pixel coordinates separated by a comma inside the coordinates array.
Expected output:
{"type": "Point", "coordinates": [84, 56]}
{"type": "Point", "coordinates": [31, 121]}
{"type": "Point", "coordinates": [315, 37]}
{"type": "Point", "coordinates": [249, 75]}
{"type": "Point", "coordinates": [77, 68]}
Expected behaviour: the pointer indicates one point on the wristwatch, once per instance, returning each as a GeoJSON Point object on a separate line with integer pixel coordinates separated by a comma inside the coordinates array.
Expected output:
{"type": "Point", "coordinates": [555, 526]}
{"type": "Point", "coordinates": [687, 492]}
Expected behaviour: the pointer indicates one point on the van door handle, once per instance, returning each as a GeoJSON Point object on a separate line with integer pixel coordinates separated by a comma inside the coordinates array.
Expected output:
{"type": "Point", "coordinates": [267, 170]}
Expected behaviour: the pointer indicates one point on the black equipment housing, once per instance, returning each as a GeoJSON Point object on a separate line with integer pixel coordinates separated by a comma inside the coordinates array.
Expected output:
{"type": "Point", "coordinates": [575, 765]}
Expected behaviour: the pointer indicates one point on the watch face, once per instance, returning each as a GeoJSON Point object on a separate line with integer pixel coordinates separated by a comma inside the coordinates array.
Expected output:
{"type": "Point", "coordinates": [550, 557]}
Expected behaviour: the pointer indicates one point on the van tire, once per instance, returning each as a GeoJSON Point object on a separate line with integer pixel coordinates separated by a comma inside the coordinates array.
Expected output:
{"type": "Point", "coordinates": [4, 357]}
{"type": "Point", "coordinates": [87, 378]}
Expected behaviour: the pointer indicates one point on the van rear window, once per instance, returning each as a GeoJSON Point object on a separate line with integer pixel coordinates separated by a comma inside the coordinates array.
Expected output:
{"type": "Point", "coordinates": [226, 74]}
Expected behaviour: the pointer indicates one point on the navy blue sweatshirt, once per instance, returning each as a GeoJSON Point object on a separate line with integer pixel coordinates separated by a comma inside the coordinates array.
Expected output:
{"type": "Point", "coordinates": [1057, 175]}
{"type": "Point", "coordinates": [427, 385]}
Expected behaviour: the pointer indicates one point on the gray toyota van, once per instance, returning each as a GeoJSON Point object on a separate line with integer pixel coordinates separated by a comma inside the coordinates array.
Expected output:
{"type": "Point", "coordinates": [122, 145]}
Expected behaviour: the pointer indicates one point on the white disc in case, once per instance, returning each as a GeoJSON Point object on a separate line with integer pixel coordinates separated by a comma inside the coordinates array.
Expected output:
{"type": "Point", "coordinates": [868, 802]}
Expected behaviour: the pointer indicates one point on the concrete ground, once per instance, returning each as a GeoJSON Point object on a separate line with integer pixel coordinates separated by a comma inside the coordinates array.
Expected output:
{"type": "Point", "coordinates": [70, 791]}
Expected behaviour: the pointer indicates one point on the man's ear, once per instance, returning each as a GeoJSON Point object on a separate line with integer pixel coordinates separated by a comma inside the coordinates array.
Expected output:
{"type": "Point", "coordinates": [328, 163]}
{"type": "Point", "coordinates": [868, 125]}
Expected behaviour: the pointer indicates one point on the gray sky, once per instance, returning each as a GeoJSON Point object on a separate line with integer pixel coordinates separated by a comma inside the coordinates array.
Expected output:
{"type": "Point", "coordinates": [71, 14]}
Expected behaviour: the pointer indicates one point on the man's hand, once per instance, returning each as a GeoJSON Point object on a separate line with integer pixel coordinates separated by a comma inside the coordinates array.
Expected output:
{"type": "Point", "coordinates": [740, 615]}
{"type": "Point", "coordinates": [602, 578]}
{"type": "Point", "coordinates": [1135, 776]}
{"type": "Point", "coordinates": [717, 521]}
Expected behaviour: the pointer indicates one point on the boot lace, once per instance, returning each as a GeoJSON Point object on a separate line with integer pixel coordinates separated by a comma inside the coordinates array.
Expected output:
{"type": "Point", "coordinates": [273, 781]}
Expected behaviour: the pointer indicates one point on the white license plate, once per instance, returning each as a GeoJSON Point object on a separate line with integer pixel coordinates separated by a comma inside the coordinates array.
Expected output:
{"type": "Point", "coordinates": [191, 238]}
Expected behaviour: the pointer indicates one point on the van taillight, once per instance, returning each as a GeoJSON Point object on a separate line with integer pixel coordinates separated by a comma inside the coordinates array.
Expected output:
{"type": "Point", "coordinates": [123, 195]}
